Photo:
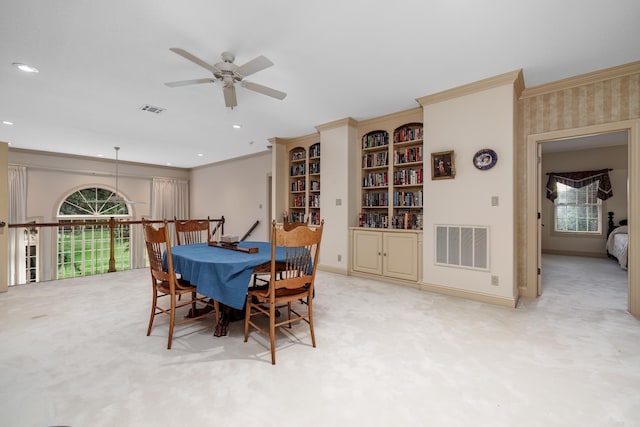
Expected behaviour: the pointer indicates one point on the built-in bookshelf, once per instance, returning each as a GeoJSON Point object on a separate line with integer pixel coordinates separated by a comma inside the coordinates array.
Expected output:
{"type": "Point", "coordinates": [392, 178]}
{"type": "Point", "coordinates": [304, 184]}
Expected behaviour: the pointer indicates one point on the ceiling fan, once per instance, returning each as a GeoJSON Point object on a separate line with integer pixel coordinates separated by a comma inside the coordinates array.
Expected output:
{"type": "Point", "coordinates": [229, 73]}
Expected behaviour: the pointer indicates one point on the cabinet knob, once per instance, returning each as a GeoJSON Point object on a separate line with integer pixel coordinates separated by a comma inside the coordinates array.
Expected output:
{"type": "Point", "coordinates": [379, 253]}
{"type": "Point", "coordinates": [385, 254]}
{"type": "Point", "coordinates": [2, 224]}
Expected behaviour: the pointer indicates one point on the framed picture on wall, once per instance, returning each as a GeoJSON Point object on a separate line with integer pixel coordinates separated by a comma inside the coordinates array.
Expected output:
{"type": "Point", "coordinates": [442, 165]}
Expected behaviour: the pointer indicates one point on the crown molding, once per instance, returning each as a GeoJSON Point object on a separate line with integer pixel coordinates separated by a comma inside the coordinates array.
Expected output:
{"type": "Point", "coordinates": [583, 79]}
{"type": "Point", "coordinates": [512, 77]}
{"type": "Point", "coordinates": [347, 121]}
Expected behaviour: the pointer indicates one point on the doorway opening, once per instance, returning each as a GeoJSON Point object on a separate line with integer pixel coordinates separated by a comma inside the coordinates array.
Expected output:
{"type": "Point", "coordinates": [575, 226]}
{"type": "Point", "coordinates": [534, 196]}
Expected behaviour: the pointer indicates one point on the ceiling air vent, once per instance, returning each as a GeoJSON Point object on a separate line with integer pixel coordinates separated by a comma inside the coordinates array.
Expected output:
{"type": "Point", "coordinates": [152, 109]}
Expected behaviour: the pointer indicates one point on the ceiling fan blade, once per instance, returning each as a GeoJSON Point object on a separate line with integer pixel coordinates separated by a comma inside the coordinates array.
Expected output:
{"type": "Point", "coordinates": [230, 96]}
{"type": "Point", "coordinates": [264, 90]}
{"type": "Point", "coordinates": [194, 59]}
{"type": "Point", "coordinates": [253, 66]}
{"type": "Point", "coordinates": [189, 82]}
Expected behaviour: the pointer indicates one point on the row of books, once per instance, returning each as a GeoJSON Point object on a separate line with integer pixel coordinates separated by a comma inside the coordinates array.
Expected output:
{"type": "Point", "coordinates": [373, 220]}
{"type": "Point", "coordinates": [375, 199]}
{"type": "Point", "coordinates": [314, 150]}
{"type": "Point", "coordinates": [297, 170]}
{"type": "Point", "coordinates": [407, 221]}
{"type": "Point", "coordinates": [409, 133]}
{"type": "Point", "coordinates": [298, 185]}
{"type": "Point", "coordinates": [314, 201]}
{"type": "Point", "coordinates": [296, 217]}
{"type": "Point", "coordinates": [375, 179]}
{"type": "Point", "coordinates": [376, 139]}
{"type": "Point", "coordinates": [408, 155]}
{"type": "Point", "coordinates": [408, 177]}
{"type": "Point", "coordinates": [314, 218]}
{"type": "Point", "coordinates": [375, 159]}
{"type": "Point", "coordinates": [298, 201]}
{"type": "Point", "coordinates": [298, 155]}
{"type": "Point", "coordinates": [314, 167]}
{"type": "Point", "coordinates": [407, 198]}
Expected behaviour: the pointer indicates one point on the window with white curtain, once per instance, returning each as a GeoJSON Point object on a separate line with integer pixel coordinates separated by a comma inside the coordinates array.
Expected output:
{"type": "Point", "coordinates": [578, 210]}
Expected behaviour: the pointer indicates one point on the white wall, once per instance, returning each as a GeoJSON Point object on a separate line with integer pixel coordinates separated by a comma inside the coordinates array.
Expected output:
{"type": "Point", "coordinates": [337, 200]}
{"type": "Point", "coordinates": [466, 124]}
{"type": "Point", "coordinates": [237, 189]}
{"type": "Point", "coordinates": [52, 177]}
{"type": "Point", "coordinates": [4, 215]}
{"type": "Point", "coordinates": [593, 159]}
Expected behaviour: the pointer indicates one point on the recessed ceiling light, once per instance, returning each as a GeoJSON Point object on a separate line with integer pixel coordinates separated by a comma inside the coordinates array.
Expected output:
{"type": "Point", "coordinates": [236, 126]}
{"type": "Point", "coordinates": [168, 164]}
{"type": "Point", "coordinates": [26, 68]}
{"type": "Point", "coordinates": [7, 122]}
{"type": "Point", "coordinates": [200, 155]}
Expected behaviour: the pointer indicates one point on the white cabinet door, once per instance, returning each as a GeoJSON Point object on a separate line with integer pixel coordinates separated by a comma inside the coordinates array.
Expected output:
{"type": "Point", "coordinates": [400, 255]}
{"type": "Point", "coordinates": [367, 251]}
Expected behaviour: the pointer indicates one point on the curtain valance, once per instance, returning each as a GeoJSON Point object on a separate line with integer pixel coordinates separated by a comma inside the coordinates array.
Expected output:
{"type": "Point", "coordinates": [579, 180]}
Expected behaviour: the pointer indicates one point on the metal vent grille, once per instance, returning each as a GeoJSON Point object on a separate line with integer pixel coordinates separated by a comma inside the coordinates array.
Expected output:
{"type": "Point", "coordinates": [152, 109]}
{"type": "Point", "coordinates": [462, 246]}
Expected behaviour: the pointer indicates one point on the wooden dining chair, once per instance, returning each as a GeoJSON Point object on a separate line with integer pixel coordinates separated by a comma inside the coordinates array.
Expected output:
{"type": "Point", "coordinates": [261, 273]}
{"type": "Point", "coordinates": [165, 284]}
{"type": "Point", "coordinates": [290, 280]}
{"type": "Point", "coordinates": [192, 231]}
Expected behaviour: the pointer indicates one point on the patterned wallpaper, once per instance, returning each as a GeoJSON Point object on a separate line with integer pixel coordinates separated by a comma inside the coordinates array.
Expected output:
{"type": "Point", "coordinates": [607, 98]}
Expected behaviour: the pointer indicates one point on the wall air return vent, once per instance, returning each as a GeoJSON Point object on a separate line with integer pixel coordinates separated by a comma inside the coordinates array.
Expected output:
{"type": "Point", "coordinates": [152, 109]}
{"type": "Point", "coordinates": [462, 246]}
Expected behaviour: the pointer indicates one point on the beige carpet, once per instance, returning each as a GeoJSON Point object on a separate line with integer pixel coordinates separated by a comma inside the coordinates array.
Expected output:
{"type": "Point", "coordinates": [75, 353]}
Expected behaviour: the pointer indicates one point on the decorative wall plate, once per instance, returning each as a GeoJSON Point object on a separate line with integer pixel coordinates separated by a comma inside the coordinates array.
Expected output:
{"type": "Point", "coordinates": [485, 159]}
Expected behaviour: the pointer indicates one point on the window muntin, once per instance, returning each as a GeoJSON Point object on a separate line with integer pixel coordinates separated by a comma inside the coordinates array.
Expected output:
{"type": "Point", "coordinates": [85, 249]}
{"type": "Point", "coordinates": [93, 202]}
{"type": "Point", "coordinates": [578, 210]}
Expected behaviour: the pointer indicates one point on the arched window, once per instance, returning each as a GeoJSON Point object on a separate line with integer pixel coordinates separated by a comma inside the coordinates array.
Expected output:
{"type": "Point", "coordinates": [93, 202]}
{"type": "Point", "coordinates": [84, 249]}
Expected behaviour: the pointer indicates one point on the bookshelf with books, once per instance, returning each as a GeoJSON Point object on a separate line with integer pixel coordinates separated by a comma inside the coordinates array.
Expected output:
{"type": "Point", "coordinates": [313, 212]}
{"type": "Point", "coordinates": [297, 184]}
{"type": "Point", "coordinates": [408, 177]}
{"type": "Point", "coordinates": [375, 180]}
{"type": "Point", "coordinates": [387, 241]}
{"type": "Point", "coordinates": [392, 176]}
{"type": "Point", "coordinates": [304, 183]}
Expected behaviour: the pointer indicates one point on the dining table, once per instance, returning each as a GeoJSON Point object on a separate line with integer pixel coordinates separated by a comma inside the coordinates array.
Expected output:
{"type": "Point", "coordinates": [223, 274]}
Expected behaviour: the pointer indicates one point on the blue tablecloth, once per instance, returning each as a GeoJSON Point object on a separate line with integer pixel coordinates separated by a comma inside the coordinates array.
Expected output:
{"type": "Point", "coordinates": [221, 274]}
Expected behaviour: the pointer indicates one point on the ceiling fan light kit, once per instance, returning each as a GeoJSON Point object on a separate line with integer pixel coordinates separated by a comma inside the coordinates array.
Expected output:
{"type": "Point", "coordinates": [229, 73]}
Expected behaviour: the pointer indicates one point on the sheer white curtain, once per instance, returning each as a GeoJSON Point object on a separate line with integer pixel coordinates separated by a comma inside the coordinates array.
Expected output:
{"type": "Point", "coordinates": [170, 197]}
{"type": "Point", "coordinates": [17, 215]}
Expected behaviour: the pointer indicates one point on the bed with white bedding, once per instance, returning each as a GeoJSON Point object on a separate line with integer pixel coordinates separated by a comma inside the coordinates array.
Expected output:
{"type": "Point", "coordinates": [618, 243]}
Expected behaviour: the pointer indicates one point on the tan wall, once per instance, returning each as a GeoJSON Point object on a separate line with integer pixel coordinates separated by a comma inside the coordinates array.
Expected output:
{"type": "Point", "coordinates": [594, 99]}
{"type": "Point", "coordinates": [466, 123]}
{"type": "Point", "coordinates": [237, 189]}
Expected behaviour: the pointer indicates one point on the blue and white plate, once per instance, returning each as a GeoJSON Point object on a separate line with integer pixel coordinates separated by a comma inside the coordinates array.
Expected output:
{"type": "Point", "coordinates": [485, 159]}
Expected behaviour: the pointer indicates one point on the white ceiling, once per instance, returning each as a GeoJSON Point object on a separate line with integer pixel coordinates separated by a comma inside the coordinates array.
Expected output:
{"type": "Point", "coordinates": [100, 62]}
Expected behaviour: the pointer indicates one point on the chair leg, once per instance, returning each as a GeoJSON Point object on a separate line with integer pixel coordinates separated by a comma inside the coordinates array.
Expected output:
{"type": "Point", "coordinates": [272, 331]}
{"type": "Point", "coordinates": [247, 315]}
{"type": "Point", "coordinates": [172, 320]}
{"type": "Point", "coordinates": [153, 311]}
{"type": "Point", "coordinates": [310, 313]}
